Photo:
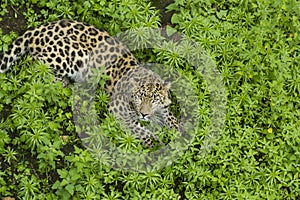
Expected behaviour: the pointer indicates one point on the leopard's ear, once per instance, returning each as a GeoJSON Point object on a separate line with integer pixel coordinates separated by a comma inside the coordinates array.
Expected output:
{"type": "Point", "coordinates": [167, 85]}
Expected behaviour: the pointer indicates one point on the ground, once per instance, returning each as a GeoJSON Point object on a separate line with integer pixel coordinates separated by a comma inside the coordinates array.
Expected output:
{"type": "Point", "coordinates": [13, 21]}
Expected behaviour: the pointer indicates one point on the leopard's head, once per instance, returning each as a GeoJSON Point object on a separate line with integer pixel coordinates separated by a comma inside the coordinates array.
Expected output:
{"type": "Point", "coordinates": [150, 100]}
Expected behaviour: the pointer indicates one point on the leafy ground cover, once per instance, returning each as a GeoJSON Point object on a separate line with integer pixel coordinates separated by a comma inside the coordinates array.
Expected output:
{"type": "Point", "coordinates": [255, 45]}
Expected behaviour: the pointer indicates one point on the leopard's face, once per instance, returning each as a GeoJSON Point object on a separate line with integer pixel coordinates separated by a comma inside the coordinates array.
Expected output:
{"type": "Point", "coordinates": [150, 101]}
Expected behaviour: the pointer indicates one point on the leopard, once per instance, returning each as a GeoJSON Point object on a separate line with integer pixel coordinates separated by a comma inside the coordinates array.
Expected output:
{"type": "Point", "coordinates": [72, 49]}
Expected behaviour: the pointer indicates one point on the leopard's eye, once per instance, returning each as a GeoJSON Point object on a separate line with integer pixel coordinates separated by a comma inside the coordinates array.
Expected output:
{"type": "Point", "coordinates": [155, 99]}
{"type": "Point", "coordinates": [139, 96]}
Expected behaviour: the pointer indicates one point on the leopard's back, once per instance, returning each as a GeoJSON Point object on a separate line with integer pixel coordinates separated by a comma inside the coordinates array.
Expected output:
{"type": "Point", "coordinates": [71, 48]}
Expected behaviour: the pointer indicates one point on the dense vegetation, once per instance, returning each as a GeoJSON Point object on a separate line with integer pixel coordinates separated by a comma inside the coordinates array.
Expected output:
{"type": "Point", "coordinates": [255, 45]}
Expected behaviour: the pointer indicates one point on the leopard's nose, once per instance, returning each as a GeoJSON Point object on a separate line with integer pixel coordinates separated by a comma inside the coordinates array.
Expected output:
{"type": "Point", "coordinates": [144, 116]}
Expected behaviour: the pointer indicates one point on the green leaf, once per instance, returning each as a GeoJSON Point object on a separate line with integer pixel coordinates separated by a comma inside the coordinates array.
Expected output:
{"type": "Point", "coordinates": [176, 18]}
{"type": "Point", "coordinates": [56, 185]}
{"type": "Point", "coordinates": [170, 30]}
{"type": "Point", "coordinates": [70, 189]}
{"type": "Point", "coordinates": [221, 13]}
{"type": "Point", "coordinates": [62, 173]}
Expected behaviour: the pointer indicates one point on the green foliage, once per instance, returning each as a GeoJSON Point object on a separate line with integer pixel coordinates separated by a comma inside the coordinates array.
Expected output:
{"type": "Point", "coordinates": [256, 47]}
{"type": "Point", "coordinates": [4, 6]}
{"type": "Point", "coordinates": [6, 40]}
{"type": "Point", "coordinates": [112, 16]}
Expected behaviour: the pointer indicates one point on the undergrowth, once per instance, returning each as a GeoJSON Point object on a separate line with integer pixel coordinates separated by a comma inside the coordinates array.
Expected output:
{"type": "Point", "coordinates": [255, 45]}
